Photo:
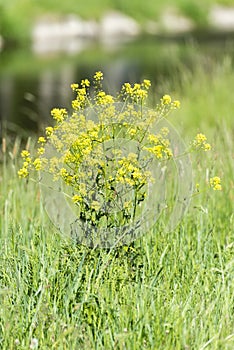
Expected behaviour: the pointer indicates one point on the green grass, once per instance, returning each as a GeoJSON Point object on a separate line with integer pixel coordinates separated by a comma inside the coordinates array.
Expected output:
{"type": "Point", "coordinates": [167, 291]}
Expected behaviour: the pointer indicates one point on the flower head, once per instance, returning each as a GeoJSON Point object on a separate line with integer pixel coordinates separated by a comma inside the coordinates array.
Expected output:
{"type": "Point", "coordinates": [215, 183]}
{"type": "Point", "coordinates": [166, 100]}
{"type": "Point", "coordinates": [98, 76]}
{"type": "Point", "coordinates": [59, 114]}
{"type": "Point", "coordinates": [176, 104]}
{"type": "Point", "coordinates": [41, 140]}
{"type": "Point", "coordinates": [200, 142]}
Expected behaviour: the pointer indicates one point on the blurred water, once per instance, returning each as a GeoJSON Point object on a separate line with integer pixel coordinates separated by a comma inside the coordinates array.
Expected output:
{"type": "Point", "coordinates": [31, 85]}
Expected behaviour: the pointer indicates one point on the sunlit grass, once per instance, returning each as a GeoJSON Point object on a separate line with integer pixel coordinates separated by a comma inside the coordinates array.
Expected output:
{"type": "Point", "coordinates": [167, 291]}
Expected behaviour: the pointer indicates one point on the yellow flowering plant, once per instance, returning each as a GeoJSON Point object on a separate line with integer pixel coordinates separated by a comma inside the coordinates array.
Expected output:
{"type": "Point", "coordinates": [103, 167]}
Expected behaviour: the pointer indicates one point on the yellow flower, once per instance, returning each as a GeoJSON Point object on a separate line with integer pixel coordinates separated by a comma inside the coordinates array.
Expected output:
{"type": "Point", "coordinates": [74, 86]}
{"type": "Point", "coordinates": [200, 138]}
{"type": "Point", "coordinates": [176, 104]}
{"type": "Point", "coordinates": [156, 150]}
{"type": "Point", "coordinates": [126, 88]}
{"type": "Point", "coordinates": [77, 199]}
{"type": "Point", "coordinates": [207, 147]}
{"type": "Point", "coordinates": [166, 100]}
{"type": "Point", "coordinates": [98, 76]}
{"type": "Point", "coordinates": [137, 175]}
{"type": "Point", "coordinates": [104, 99]}
{"type": "Point", "coordinates": [85, 82]}
{"type": "Point", "coordinates": [37, 164]}
{"type": "Point", "coordinates": [165, 131]}
{"type": "Point", "coordinates": [59, 114]}
{"type": "Point", "coordinates": [146, 83]}
{"type": "Point", "coordinates": [140, 93]}
{"type": "Point", "coordinates": [41, 150]}
{"type": "Point", "coordinates": [49, 130]}
{"type": "Point", "coordinates": [25, 154]}
{"type": "Point", "coordinates": [215, 183]}
{"type": "Point", "coordinates": [76, 105]}
{"type": "Point", "coordinates": [41, 139]}
{"type": "Point", "coordinates": [153, 138]}
{"type": "Point", "coordinates": [200, 142]}
{"type": "Point", "coordinates": [23, 172]}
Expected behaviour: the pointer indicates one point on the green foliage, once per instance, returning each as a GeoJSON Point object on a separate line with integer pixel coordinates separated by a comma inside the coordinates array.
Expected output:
{"type": "Point", "coordinates": [198, 13]}
{"type": "Point", "coordinates": [165, 291]}
{"type": "Point", "coordinates": [22, 14]}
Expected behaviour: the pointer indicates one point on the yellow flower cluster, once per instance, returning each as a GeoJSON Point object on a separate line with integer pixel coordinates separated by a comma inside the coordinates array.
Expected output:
{"type": "Point", "coordinates": [49, 130]}
{"type": "Point", "coordinates": [103, 180]}
{"type": "Point", "coordinates": [130, 171]}
{"type": "Point", "coordinates": [137, 92]}
{"type": "Point", "coordinates": [37, 164]}
{"type": "Point", "coordinates": [215, 183]}
{"type": "Point", "coordinates": [98, 76]}
{"type": "Point", "coordinates": [103, 99]}
{"type": "Point", "coordinates": [158, 145]}
{"type": "Point", "coordinates": [81, 97]}
{"type": "Point", "coordinates": [41, 140]}
{"type": "Point", "coordinates": [30, 164]}
{"type": "Point", "coordinates": [59, 114]}
{"type": "Point", "coordinates": [200, 142]}
{"type": "Point", "coordinates": [85, 83]}
{"type": "Point", "coordinates": [166, 105]}
{"type": "Point", "coordinates": [24, 171]}
{"type": "Point", "coordinates": [166, 100]}
{"type": "Point", "coordinates": [77, 199]}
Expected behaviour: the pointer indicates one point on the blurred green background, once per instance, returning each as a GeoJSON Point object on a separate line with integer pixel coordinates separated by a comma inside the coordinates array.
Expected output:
{"type": "Point", "coordinates": [184, 64]}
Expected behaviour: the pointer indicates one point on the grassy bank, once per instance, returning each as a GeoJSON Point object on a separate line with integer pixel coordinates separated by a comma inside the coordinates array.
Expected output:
{"type": "Point", "coordinates": [22, 14]}
{"type": "Point", "coordinates": [168, 291]}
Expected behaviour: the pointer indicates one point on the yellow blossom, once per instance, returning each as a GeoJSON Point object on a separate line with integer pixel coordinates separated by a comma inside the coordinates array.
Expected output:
{"type": "Point", "coordinates": [49, 130]}
{"type": "Point", "coordinates": [200, 138]}
{"type": "Point", "coordinates": [207, 147]}
{"type": "Point", "coordinates": [146, 83]}
{"type": "Point", "coordinates": [37, 164]}
{"type": "Point", "coordinates": [41, 140]}
{"type": "Point", "coordinates": [165, 131]}
{"type": "Point", "coordinates": [40, 150]}
{"type": "Point", "coordinates": [25, 154]}
{"type": "Point", "coordinates": [176, 104]}
{"type": "Point", "coordinates": [74, 86]}
{"type": "Point", "coordinates": [98, 76]}
{"type": "Point", "coordinates": [85, 82]}
{"type": "Point", "coordinates": [23, 172]}
{"type": "Point", "coordinates": [200, 142]}
{"type": "Point", "coordinates": [156, 150]}
{"type": "Point", "coordinates": [59, 114]}
{"type": "Point", "coordinates": [76, 104]}
{"type": "Point", "coordinates": [127, 89]}
{"type": "Point", "coordinates": [166, 100]}
{"type": "Point", "coordinates": [132, 132]}
{"type": "Point", "coordinates": [103, 98]}
{"type": "Point", "coordinates": [77, 198]}
{"type": "Point", "coordinates": [215, 183]}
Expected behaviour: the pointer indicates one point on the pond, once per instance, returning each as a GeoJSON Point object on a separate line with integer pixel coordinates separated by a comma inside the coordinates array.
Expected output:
{"type": "Point", "coordinates": [31, 85]}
